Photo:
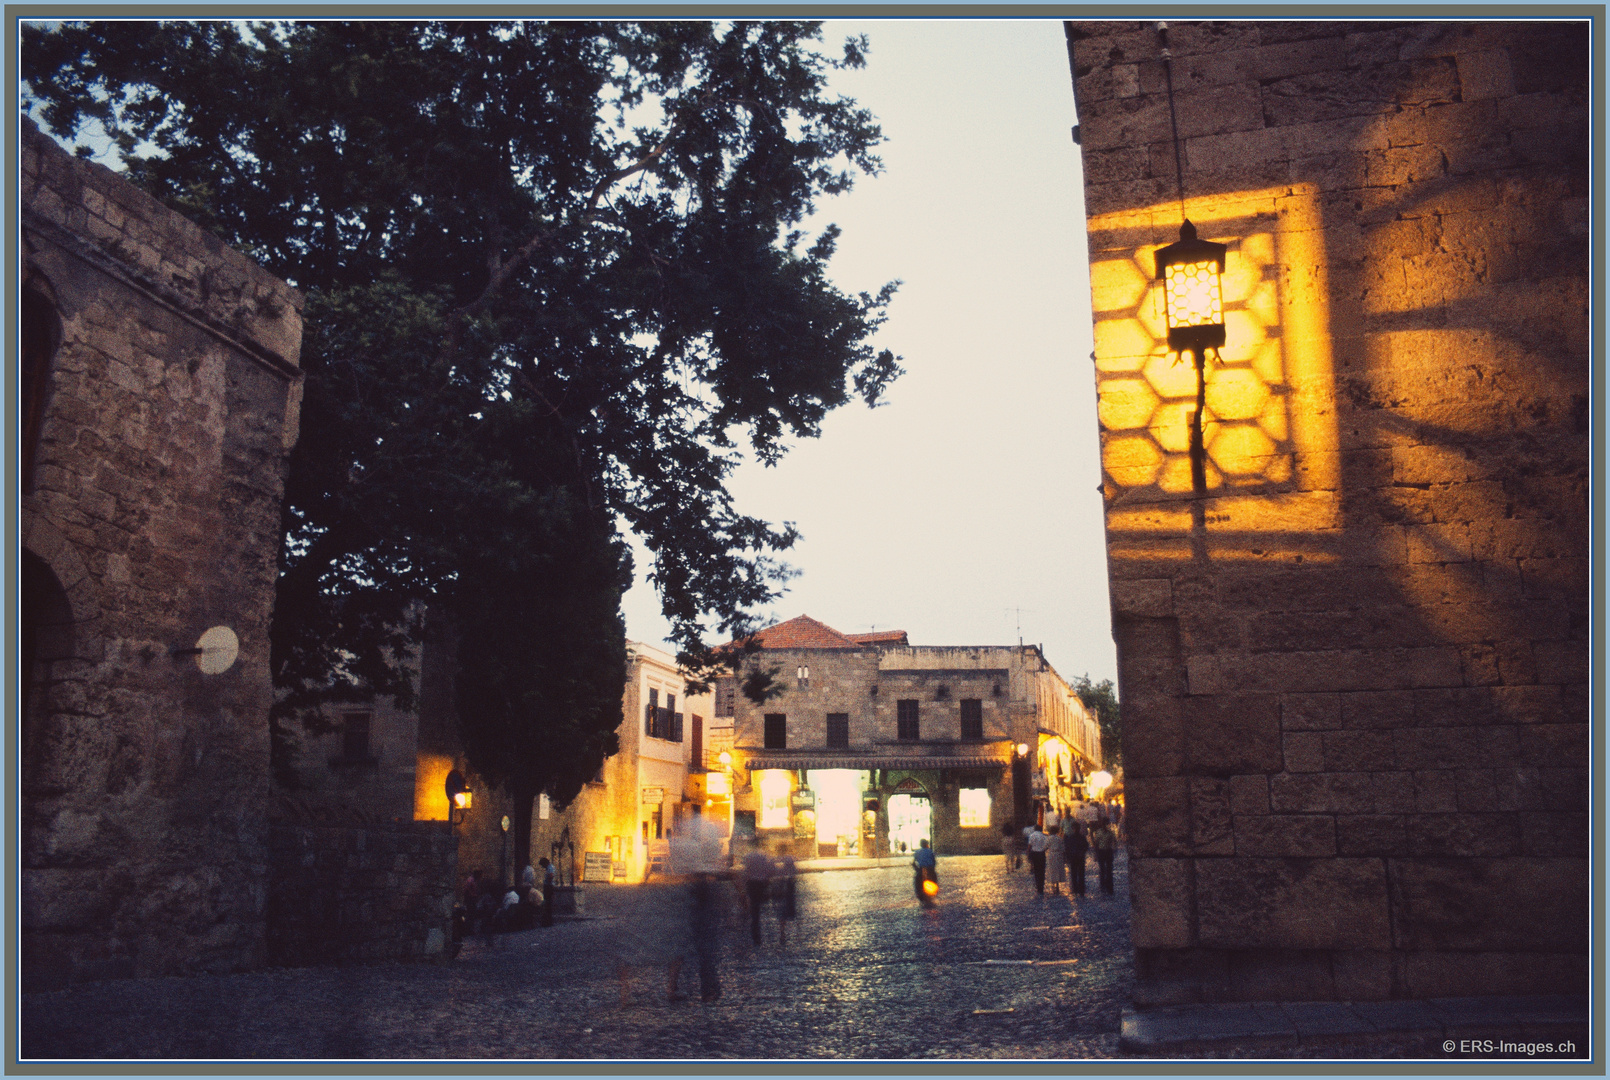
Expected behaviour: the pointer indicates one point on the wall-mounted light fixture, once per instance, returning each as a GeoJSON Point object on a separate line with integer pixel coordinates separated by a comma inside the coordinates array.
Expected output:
{"type": "Point", "coordinates": [459, 798]}
{"type": "Point", "coordinates": [1190, 270]}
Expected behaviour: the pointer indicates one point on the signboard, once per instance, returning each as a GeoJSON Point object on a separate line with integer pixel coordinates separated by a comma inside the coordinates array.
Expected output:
{"type": "Point", "coordinates": [653, 796]}
{"type": "Point", "coordinates": [804, 799]}
{"type": "Point", "coordinates": [620, 871]}
{"type": "Point", "coordinates": [595, 866]}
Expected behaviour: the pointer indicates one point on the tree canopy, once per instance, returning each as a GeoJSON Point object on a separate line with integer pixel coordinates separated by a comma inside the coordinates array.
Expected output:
{"type": "Point", "coordinates": [1102, 700]}
{"type": "Point", "coordinates": [557, 284]}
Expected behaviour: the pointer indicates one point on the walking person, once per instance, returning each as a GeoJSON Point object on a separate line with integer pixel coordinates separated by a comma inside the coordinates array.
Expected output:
{"type": "Point", "coordinates": [1009, 851]}
{"type": "Point", "coordinates": [550, 885]}
{"type": "Point", "coordinates": [1075, 844]}
{"type": "Point", "coordinates": [1056, 860]}
{"type": "Point", "coordinates": [925, 868]}
{"type": "Point", "coordinates": [1104, 839]}
{"type": "Point", "coordinates": [758, 872]}
{"type": "Point", "coordinates": [1038, 842]}
{"type": "Point", "coordinates": [782, 895]}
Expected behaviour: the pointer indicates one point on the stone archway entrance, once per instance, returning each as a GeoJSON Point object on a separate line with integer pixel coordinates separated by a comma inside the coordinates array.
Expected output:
{"type": "Point", "coordinates": [911, 819]}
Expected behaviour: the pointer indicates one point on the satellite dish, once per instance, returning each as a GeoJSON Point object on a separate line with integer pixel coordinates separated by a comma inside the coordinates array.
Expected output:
{"type": "Point", "coordinates": [216, 650]}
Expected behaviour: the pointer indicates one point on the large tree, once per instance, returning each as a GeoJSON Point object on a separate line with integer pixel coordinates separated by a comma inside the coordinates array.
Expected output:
{"type": "Point", "coordinates": [556, 278]}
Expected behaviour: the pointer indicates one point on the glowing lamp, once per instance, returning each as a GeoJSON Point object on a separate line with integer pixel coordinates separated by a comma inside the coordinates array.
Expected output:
{"type": "Point", "coordinates": [1100, 781]}
{"type": "Point", "coordinates": [1190, 270]}
{"type": "Point", "coordinates": [463, 800]}
{"type": "Point", "coordinates": [1022, 749]}
{"type": "Point", "coordinates": [725, 759]}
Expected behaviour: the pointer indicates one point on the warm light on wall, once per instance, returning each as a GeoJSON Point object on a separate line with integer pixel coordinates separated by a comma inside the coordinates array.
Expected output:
{"type": "Point", "coordinates": [430, 796]}
{"type": "Point", "coordinates": [1268, 404]}
{"type": "Point", "coordinates": [775, 785]}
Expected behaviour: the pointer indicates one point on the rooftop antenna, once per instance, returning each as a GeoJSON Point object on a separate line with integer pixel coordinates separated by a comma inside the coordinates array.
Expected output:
{"type": "Point", "coordinates": [1019, 613]}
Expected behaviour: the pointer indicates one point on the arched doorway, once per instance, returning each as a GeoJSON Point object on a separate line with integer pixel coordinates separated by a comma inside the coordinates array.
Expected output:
{"type": "Point", "coordinates": [911, 820]}
{"type": "Point", "coordinates": [47, 641]}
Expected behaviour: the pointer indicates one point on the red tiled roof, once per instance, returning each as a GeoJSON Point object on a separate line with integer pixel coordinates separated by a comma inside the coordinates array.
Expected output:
{"type": "Point", "coordinates": [802, 632]}
{"type": "Point", "coordinates": [881, 637]}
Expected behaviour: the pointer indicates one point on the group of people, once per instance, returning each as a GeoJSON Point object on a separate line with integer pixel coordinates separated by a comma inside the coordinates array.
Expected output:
{"type": "Point", "coordinates": [767, 878]}
{"type": "Point", "coordinates": [520, 908]}
{"type": "Point", "coordinates": [1058, 852]}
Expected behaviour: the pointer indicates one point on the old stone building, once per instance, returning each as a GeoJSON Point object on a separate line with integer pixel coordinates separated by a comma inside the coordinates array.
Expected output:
{"type": "Point", "coordinates": [653, 785]}
{"type": "Point", "coordinates": [870, 744]}
{"type": "Point", "coordinates": [1352, 613]}
{"type": "Point", "coordinates": [160, 400]}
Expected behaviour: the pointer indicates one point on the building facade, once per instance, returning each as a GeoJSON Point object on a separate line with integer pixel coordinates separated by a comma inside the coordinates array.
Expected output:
{"type": "Point", "coordinates": [1352, 613]}
{"type": "Point", "coordinates": [160, 403]}
{"type": "Point", "coordinates": [868, 745]}
{"type": "Point", "coordinates": [621, 822]}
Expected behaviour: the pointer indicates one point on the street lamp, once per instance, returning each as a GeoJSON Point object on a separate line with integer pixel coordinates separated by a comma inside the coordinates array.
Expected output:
{"type": "Point", "coordinates": [1100, 781]}
{"type": "Point", "coordinates": [458, 796]}
{"type": "Point", "coordinates": [1190, 271]}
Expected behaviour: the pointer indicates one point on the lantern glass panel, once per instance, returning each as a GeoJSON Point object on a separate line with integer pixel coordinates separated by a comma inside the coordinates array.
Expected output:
{"type": "Point", "coordinates": [1193, 294]}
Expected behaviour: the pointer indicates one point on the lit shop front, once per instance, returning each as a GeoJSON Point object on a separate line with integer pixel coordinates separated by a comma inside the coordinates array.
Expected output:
{"type": "Point", "coordinates": [840, 811]}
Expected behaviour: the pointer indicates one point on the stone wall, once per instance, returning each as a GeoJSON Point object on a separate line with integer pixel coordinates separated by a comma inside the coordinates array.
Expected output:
{"type": "Point", "coordinates": [167, 398]}
{"type": "Point", "coordinates": [360, 894]}
{"type": "Point", "coordinates": [1353, 654]}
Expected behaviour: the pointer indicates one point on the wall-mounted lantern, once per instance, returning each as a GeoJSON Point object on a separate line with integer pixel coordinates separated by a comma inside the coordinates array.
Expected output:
{"type": "Point", "coordinates": [459, 797]}
{"type": "Point", "coordinates": [1190, 270]}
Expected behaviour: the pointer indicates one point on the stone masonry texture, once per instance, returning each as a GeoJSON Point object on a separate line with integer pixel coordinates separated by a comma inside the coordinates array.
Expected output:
{"type": "Point", "coordinates": [1353, 656]}
{"type": "Point", "coordinates": [153, 515]}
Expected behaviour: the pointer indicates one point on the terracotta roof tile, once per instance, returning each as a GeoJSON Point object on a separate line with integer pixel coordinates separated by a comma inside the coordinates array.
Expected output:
{"type": "Point", "coordinates": [803, 632]}
{"type": "Point", "coordinates": [881, 637]}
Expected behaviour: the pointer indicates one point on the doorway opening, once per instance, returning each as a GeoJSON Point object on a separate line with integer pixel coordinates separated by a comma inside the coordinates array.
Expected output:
{"type": "Point", "coordinates": [910, 822]}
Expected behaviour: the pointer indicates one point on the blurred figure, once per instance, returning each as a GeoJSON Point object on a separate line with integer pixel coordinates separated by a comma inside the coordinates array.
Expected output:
{"type": "Point", "coordinates": [1038, 842]}
{"type": "Point", "coordinates": [1075, 845]}
{"type": "Point", "coordinates": [1056, 860]}
{"type": "Point", "coordinates": [1009, 851]}
{"type": "Point", "coordinates": [550, 886]}
{"type": "Point", "coordinates": [1104, 839]}
{"type": "Point", "coordinates": [697, 855]}
{"type": "Point", "coordinates": [758, 871]}
{"type": "Point", "coordinates": [782, 893]}
{"type": "Point", "coordinates": [925, 865]}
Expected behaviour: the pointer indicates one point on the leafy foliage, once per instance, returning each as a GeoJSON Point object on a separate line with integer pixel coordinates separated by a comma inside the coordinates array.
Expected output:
{"type": "Point", "coordinates": [555, 277]}
{"type": "Point", "coordinates": [1102, 700]}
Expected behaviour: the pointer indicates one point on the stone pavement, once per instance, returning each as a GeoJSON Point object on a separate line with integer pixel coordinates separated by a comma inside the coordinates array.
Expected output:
{"type": "Point", "coordinates": [994, 972]}
{"type": "Point", "coordinates": [1536, 1029]}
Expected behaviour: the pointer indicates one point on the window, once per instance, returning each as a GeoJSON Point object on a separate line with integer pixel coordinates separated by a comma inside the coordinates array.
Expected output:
{"type": "Point", "coordinates": [663, 723]}
{"type": "Point", "coordinates": [776, 731]}
{"type": "Point", "coordinates": [972, 718]}
{"type": "Point", "coordinates": [696, 745]}
{"type": "Point", "coordinates": [355, 736]}
{"type": "Point", "coordinates": [907, 714]}
{"type": "Point", "coordinates": [803, 675]}
{"type": "Point", "coordinates": [838, 730]}
{"type": "Point", "coordinates": [726, 695]}
{"type": "Point", "coordinates": [942, 694]}
{"type": "Point", "coordinates": [974, 805]}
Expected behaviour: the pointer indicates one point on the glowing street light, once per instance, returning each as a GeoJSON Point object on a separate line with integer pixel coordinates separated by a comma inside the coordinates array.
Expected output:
{"type": "Point", "coordinates": [1100, 781]}
{"type": "Point", "coordinates": [1190, 271]}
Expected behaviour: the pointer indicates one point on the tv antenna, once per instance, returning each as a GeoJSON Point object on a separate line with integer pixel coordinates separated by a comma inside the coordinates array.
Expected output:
{"type": "Point", "coordinates": [1018, 612]}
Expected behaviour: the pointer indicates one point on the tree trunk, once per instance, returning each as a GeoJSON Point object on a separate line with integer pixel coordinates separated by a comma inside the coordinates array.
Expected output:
{"type": "Point", "coordinates": [523, 794]}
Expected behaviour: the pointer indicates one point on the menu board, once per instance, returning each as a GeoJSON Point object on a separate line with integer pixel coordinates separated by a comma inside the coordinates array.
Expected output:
{"type": "Point", "coordinates": [596, 866]}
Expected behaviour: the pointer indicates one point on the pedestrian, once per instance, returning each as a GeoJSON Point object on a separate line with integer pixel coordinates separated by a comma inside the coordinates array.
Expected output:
{"type": "Point", "coordinates": [486, 907]}
{"type": "Point", "coordinates": [1104, 840]}
{"type": "Point", "coordinates": [1053, 820]}
{"type": "Point", "coordinates": [782, 894]}
{"type": "Point", "coordinates": [1038, 842]}
{"type": "Point", "coordinates": [1075, 844]}
{"type": "Point", "coordinates": [758, 872]}
{"type": "Point", "coordinates": [1056, 860]}
{"type": "Point", "coordinates": [550, 886]}
{"type": "Point", "coordinates": [1009, 850]}
{"type": "Point", "coordinates": [925, 866]}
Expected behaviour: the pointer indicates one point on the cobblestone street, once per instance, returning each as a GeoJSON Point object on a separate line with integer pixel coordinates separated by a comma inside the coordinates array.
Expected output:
{"type": "Point", "coordinates": [995, 972]}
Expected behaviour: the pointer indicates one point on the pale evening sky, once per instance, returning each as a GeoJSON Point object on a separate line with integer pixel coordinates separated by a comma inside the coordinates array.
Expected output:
{"type": "Point", "coordinates": [972, 493]}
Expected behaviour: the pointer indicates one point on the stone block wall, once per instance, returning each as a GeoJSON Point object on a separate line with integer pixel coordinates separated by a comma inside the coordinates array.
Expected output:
{"type": "Point", "coordinates": [168, 402]}
{"type": "Point", "coordinates": [1353, 658]}
{"type": "Point", "coordinates": [361, 894]}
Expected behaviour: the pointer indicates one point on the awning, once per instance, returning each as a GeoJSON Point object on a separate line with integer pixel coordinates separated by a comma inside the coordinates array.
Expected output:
{"type": "Point", "coordinates": [876, 761]}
